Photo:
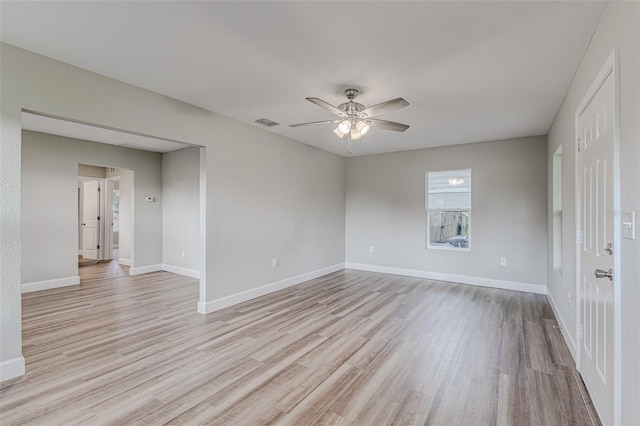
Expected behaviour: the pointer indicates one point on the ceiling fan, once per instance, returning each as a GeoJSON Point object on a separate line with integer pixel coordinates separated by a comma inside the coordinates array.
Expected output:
{"type": "Point", "coordinates": [355, 120]}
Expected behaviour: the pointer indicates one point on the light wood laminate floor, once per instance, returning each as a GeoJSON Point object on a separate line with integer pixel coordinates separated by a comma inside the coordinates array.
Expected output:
{"type": "Point", "coordinates": [348, 348]}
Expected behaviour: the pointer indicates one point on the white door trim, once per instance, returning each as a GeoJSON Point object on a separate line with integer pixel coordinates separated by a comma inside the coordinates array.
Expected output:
{"type": "Point", "coordinates": [611, 68]}
{"type": "Point", "coordinates": [106, 250]}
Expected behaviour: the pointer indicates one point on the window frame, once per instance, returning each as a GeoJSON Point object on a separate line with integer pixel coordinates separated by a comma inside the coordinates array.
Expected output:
{"type": "Point", "coordinates": [557, 210]}
{"type": "Point", "coordinates": [428, 211]}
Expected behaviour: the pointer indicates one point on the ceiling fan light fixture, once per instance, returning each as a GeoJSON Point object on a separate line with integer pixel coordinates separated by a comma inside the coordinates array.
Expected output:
{"type": "Point", "coordinates": [355, 119]}
{"type": "Point", "coordinates": [344, 127]}
{"type": "Point", "coordinates": [363, 127]}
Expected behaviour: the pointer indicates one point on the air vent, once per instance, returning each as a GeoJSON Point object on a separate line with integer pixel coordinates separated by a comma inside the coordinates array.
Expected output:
{"type": "Point", "coordinates": [266, 122]}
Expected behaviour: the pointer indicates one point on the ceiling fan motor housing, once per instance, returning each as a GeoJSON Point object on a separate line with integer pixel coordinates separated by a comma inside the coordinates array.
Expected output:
{"type": "Point", "coordinates": [352, 109]}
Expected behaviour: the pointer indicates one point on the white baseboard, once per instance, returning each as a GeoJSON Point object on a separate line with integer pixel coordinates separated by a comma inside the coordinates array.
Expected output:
{"type": "Point", "coordinates": [571, 344]}
{"type": "Point", "coordinates": [48, 284]}
{"type": "Point", "coordinates": [11, 368]}
{"type": "Point", "coordinates": [145, 269]}
{"type": "Point", "coordinates": [123, 261]}
{"type": "Point", "coordinates": [234, 299]}
{"type": "Point", "coordinates": [192, 273]}
{"type": "Point", "coordinates": [463, 279]}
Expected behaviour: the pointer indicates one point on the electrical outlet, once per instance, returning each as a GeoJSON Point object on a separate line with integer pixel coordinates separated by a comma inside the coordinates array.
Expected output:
{"type": "Point", "coordinates": [274, 262]}
{"type": "Point", "coordinates": [503, 261]}
{"type": "Point", "coordinates": [370, 249]}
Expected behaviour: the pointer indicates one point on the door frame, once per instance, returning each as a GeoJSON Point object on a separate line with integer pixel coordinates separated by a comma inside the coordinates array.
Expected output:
{"type": "Point", "coordinates": [107, 251]}
{"type": "Point", "coordinates": [611, 67]}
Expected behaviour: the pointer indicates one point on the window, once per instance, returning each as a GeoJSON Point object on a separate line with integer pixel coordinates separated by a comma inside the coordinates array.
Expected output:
{"type": "Point", "coordinates": [557, 209]}
{"type": "Point", "coordinates": [448, 208]}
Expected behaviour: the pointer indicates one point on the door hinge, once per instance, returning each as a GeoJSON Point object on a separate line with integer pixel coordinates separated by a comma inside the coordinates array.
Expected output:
{"type": "Point", "coordinates": [579, 148]}
{"type": "Point", "coordinates": [579, 237]}
{"type": "Point", "coordinates": [98, 217]}
{"type": "Point", "coordinates": [98, 189]}
{"type": "Point", "coordinates": [98, 246]}
{"type": "Point", "coordinates": [579, 331]}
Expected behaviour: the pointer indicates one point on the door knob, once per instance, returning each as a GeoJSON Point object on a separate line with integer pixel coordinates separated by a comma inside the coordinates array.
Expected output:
{"type": "Point", "coordinates": [599, 273]}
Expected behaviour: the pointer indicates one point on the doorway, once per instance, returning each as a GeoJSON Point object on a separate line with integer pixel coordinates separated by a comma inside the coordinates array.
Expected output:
{"type": "Point", "coordinates": [54, 146]}
{"type": "Point", "coordinates": [105, 221]}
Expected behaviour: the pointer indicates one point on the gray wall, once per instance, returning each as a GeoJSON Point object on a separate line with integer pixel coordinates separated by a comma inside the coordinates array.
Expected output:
{"type": "Point", "coordinates": [272, 197]}
{"type": "Point", "coordinates": [181, 208]}
{"type": "Point", "coordinates": [266, 195]}
{"type": "Point", "coordinates": [49, 202]}
{"type": "Point", "coordinates": [620, 26]}
{"type": "Point", "coordinates": [386, 209]}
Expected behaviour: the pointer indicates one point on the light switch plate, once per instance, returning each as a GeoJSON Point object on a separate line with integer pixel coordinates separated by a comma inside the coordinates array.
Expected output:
{"type": "Point", "coordinates": [629, 225]}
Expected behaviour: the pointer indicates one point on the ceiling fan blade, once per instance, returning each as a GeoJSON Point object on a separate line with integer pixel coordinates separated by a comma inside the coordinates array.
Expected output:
{"type": "Point", "coordinates": [383, 107]}
{"type": "Point", "coordinates": [314, 122]}
{"type": "Point", "coordinates": [327, 106]}
{"type": "Point", "coordinates": [387, 125]}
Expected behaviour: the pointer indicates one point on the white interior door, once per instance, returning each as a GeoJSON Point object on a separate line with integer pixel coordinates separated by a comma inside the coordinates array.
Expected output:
{"type": "Point", "coordinates": [595, 124]}
{"type": "Point", "coordinates": [91, 219]}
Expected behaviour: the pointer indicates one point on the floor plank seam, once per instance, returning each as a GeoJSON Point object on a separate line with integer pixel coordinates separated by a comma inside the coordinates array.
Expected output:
{"type": "Point", "coordinates": [586, 400]}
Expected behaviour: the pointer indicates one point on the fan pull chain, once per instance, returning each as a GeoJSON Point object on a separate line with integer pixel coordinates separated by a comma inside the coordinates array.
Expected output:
{"type": "Point", "coordinates": [349, 143]}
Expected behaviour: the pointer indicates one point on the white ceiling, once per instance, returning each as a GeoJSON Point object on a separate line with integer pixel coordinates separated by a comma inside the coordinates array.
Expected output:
{"type": "Point", "coordinates": [472, 71]}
